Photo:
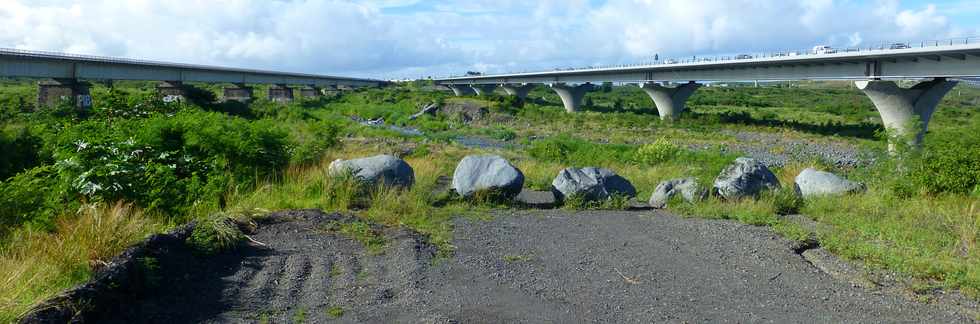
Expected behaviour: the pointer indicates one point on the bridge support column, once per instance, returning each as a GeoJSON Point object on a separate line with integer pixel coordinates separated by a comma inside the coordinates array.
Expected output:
{"type": "Point", "coordinates": [461, 89]}
{"type": "Point", "coordinates": [280, 93]}
{"type": "Point", "coordinates": [56, 91]}
{"type": "Point", "coordinates": [520, 91]}
{"type": "Point", "coordinates": [239, 92]}
{"type": "Point", "coordinates": [484, 89]}
{"type": "Point", "coordinates": [310, 92]}
{"type": "Point", "coordinates": [669, 101]}
{"type": "Point", "coordinates": [172, 91]}
{"type": "Point", "coordinates": [571, 96]}
{"type": "Point", "coordinates": [906, 112]}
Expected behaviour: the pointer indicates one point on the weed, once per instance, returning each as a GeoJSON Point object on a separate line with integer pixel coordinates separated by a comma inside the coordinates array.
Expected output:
{"type": "Point", "coordinates": [299, 316]}
{"type": "Point", "coordinates": [657, 152]}
{"type": "Point", "coordinates": [516, 258]}
{"type": "Point", "coordinates": [335, 312]}
{"type": "Point", "coordinates": [372, 239]}
{"type": "Point", "coordinates": [215, 235]}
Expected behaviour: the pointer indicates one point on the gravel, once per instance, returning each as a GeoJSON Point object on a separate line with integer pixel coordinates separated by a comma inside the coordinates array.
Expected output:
{"type": "Point", "coordinates": [522, 266]}
{"type": "Point", "coordinates": [775, 150]}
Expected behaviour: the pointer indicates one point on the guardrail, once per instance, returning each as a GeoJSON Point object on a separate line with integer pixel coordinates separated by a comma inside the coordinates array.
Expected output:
{"type": "Point", "coordinates": [791, 53]}
{"type": "Point", "coordinates": [119, 60]}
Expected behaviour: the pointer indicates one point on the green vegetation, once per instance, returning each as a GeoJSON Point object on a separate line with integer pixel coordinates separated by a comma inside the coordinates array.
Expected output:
{"type": "Point", "coordinates": [335, 312]}
{"type": "Point", "coordinates": [77, 187]}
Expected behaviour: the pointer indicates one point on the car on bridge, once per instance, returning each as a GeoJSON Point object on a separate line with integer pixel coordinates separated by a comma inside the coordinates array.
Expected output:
{"type": "Point", "coordinates": [823, 49]}
{"type": "Point", "coordinates": [899, 46]}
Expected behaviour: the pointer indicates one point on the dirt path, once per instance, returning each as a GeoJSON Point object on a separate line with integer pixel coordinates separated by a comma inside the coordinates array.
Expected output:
{"type": "Point", "coordinates": [534, 266]}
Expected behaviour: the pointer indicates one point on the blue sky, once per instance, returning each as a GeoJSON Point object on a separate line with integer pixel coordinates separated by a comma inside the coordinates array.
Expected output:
{"type": "Point", "coordinates": [415, 38]}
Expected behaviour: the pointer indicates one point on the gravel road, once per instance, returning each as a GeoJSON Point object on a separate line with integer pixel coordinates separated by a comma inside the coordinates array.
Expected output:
{"type": "Point", "coordinates": [521, 266]}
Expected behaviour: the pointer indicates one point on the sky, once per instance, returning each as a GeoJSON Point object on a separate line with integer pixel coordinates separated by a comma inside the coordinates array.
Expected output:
{"type": "Point", "coordinates": [397, 39]}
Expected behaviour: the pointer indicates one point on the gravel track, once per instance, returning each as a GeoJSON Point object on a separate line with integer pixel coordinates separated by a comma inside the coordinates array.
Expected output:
{"type": "Point", "coordinates": [521, 266]}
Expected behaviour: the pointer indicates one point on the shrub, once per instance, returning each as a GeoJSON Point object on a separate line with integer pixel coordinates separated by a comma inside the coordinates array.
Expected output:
{"type": "Point", "coordinates": [32, 197]}
{"type": "Point", "coordinates": [20, 150]}
{"type": "Point", "coordinates": [577, 152]}
{"type": "Point", "coordinates": [785, 200]}
{"type": "Point", "coordinates": [947, 163]}
{"type": "Point", "coordinates": [657, 152]}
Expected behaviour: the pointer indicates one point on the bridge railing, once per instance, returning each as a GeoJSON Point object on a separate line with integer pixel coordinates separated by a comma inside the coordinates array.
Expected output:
{"type": "Point", "coordinates": [790, 53]}
{"type": "Point", "coordinates": [118, 60]}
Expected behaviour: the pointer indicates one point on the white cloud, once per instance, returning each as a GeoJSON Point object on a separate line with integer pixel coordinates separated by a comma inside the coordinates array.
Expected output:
{"type": "Point", "coordinates": [421, 38]}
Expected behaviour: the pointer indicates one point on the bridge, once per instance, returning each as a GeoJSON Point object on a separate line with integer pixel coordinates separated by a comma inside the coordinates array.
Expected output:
{"type": "Point", "coordinates": [65, 72]}
{"type": "Point", "coordinates": [938, 65]}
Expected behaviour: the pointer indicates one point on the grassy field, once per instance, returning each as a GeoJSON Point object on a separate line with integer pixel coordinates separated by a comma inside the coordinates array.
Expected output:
{"type": "Point", "coordinates": [79, 186]}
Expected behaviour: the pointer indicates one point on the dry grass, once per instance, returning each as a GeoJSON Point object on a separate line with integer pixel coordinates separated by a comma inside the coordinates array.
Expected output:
{"type": "Point", "coordinates": [38, 265]}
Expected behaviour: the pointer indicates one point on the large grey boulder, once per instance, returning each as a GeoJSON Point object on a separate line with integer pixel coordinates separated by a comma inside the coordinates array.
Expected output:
{"type": "Point", "coordinates": [688, 188]}
{"type": "Point", "coordinates": [384, 168]}
{"type": "Point", "coordinates": [743, 178]}
{"type": "Point", "coordinates": [487, 172]}
{"type": "Point", "coordinates": [591, 184]}
{"type": "Point", "coordinates": [811, 182]}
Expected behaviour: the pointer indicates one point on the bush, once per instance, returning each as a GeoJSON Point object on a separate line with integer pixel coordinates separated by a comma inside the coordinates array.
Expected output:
{"type": "Point", "coordinates": [657, 152]}
{"type": "Point", "coordinates": [20, 150]}
{"type": "Point", "coordinates": [947, 163]}
{"type": "Point", "coordinates": [167, 163]}
{"type": "Point", "coordinates": [32, 197]}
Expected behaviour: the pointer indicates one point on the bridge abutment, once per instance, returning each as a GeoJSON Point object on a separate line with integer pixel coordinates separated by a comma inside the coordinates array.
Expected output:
{"type": "Point", "coordinates": [56, 91]}
{"type": "Point", "coordinates": [520, 91]}
{"type": "Point", "coordinates": [461, 89]}
{"type": "Point", "coordinates": [280, 93]}
{"type": "Point", "coordinates": [906, 112]}
{"type": "Point", "coordinates": [238, 92]}
{"type": "Point", "coordinates": [670, 100]}
{"type": "Point", "coordinates": [571, 96]}
{"type": "Point", "coordinates": [172, 91]}
{"type": "Point", "coordinates": [483, 89]}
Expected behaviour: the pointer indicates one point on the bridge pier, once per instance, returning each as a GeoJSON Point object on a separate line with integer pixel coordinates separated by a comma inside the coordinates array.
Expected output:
{"type": "Point", "coordinates": [906, 112]}
{"type": "Point", "coordinates": [238, 92]}
{"type": "Point", "coordinates": [483, 89]}
{"type": "Point", "coordinates": [461, 89]}
{"type": "Point", "coordinates": [670, 101]}
{"type": "Point", "coordinates": [571, 96]}
{"type": "Point", "coordinates": [280, 93]}
{"type": "Point", "coordinates": [520, 91]}
{"type": "Point", "coordinates": [172, 91]}
{"type": "Point", "coordinates": [55, 91]}
{"type": "Point", "coordinates": [310, 92]}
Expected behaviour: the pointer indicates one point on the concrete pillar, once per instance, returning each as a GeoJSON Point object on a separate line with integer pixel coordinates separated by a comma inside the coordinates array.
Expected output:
{"type": "Point", "coordinates": [310, 92]}
{"type": "Point", "coordinates": [329, 89]}
{"type": "Point", "coordinates": [461, 89]}
{"type": "Point", "coordinates": [280, 93]}
{"type": "Point", "coordinates": [238, 92]}
{"type": "Point", "coordinates": [520, 91]}
{"type": "Point", "coordinates": [56, 91]}
{"type": "Point", "coordinates": [669, 101]}
{"type": "Point", "coordinates": [571, 96]}
{"type": "Point", "coordinates": [172, 91]}
{"type": "Point", "coordinates": [906, 112]}
{"type": "Point", "coordinates": [484, 89]}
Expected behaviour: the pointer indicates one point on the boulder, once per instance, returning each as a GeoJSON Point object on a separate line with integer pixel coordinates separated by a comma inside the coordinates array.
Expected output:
{"type": "Point", "coordinates": [536, 199]}
{"type": "Point", "coordinates": [591, 184]}
{"type": "Point", "coordinates": [383, 168]}
{"type": "Point", "coordinates": [811, 183]}
{"type": "Point", "coordinates": [688, 188]}
{"type": "Point", "coordinates": [487, 172]}
{"type": "Point", "coordinates": [745, 177]}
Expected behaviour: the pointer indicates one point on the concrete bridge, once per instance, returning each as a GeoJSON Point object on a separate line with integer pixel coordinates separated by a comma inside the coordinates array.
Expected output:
{"type": "Point", "coordinates": [937, 65]}
{"type": "Point", "coordinates": [65, 75]}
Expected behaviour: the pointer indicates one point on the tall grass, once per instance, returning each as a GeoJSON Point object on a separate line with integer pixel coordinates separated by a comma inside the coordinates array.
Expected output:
{"type": "Point", "coordinates": [37, 265]}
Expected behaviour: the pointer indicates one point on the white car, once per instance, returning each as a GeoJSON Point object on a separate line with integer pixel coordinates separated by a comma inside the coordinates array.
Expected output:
{"type": "Point", "coordinates": [823, 49]}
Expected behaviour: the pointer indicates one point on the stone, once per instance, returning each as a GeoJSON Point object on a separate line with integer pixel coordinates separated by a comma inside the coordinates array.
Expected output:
{"type": "Point", "coordinates": [543, 199]}
{"type": "Point", "coordinates": [743, 178]}
{"type": "Point", "coordinates": [810, 183]}
{"type": "Point", "coordinates": [384, 168]}
{"type": "Point", "coordinates": [591, 184]}
{"type": "Point", "coordinates": [688, 188]}
{"type": "Point", "coordinates": [487, 173]}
